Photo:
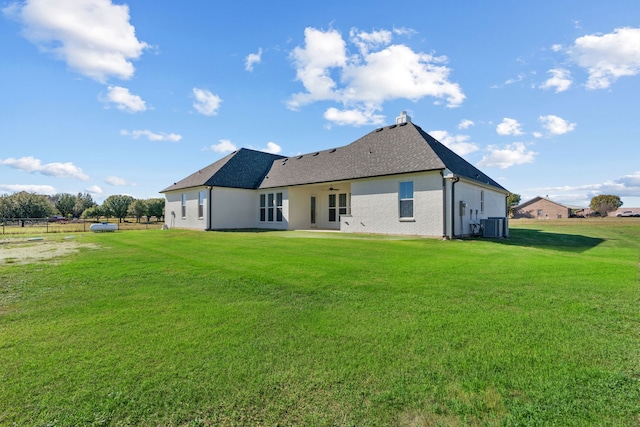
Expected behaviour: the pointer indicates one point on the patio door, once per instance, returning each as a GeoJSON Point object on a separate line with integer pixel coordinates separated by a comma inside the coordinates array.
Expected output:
{"type": "Point", "coordinates": [313, 212]}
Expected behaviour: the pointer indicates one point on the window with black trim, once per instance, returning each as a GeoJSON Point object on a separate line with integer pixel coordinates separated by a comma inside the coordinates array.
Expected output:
{"type": "Point", "coordinates": [332, 208]}
{"type": "Point", "coordinates": [263, 207]}
{"type": "Point", "coordinates": [279, 207]}
{"type": "Point", "coordinates": [271, 207]}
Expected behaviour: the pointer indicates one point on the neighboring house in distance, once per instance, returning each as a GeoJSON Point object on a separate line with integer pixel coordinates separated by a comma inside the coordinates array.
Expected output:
{"type": "Point", "coordinates": [544, 208]}
{"type": "Point", "coordinates": [395, 180]}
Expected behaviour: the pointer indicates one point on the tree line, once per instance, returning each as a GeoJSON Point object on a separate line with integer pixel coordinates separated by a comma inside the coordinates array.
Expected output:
{"type": "Point", "coordinates": [30, 205]}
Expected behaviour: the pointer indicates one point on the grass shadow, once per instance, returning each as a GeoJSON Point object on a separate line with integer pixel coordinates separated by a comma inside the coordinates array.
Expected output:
{"type": "Point", "coordinates": [553, 241]}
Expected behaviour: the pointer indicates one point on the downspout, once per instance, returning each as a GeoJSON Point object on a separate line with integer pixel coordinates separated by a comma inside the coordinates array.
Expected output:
{"type": "Point", "coordinates": [506, 206]}
{"type": "Point", "coordinates": [209, 210]}
{"type": "Point", "coordinates": [453, 206]}
{"type": "Point", "coordinates": [444, 205]}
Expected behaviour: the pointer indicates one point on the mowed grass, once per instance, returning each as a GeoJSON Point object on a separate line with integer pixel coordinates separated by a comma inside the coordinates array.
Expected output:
{"type": "Point", "coordinates": [180, 328]}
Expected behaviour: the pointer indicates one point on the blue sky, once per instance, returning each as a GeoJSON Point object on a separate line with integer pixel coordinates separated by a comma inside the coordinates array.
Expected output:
{"type": "Point", "coordinates": [110, 98]}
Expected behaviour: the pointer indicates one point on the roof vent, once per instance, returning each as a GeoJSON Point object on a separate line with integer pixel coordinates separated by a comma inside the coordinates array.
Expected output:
{"type": "Point", "coordinates": [403, 118]}
{"type": "Point", "coordinates": [333, 150]}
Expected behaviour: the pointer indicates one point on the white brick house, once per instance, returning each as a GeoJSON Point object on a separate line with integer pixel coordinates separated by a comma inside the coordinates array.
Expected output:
{"type": "Point", "coordinates": [394, 180]}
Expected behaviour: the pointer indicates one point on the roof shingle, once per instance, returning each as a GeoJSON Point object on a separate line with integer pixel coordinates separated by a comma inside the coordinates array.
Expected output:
{"type": "Point", "coordinates": [241, 169]}
{"type": "Point", "coordinates": [390, 150]}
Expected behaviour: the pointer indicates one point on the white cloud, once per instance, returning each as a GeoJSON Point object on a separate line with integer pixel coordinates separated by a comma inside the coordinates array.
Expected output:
{"type": "Point", "coordinates": [510, 155]}
{"type": "Point", "coordinates": [152, 136]}
{"type": "Point", "coordinates": [354, 117]}
{"type": "Point", "coordinates": [458, 143]}
{"type": "Point", "coordinates": [465, 124]}
{"type": "Point", "coordinates": [206, 102]}
{"type": "Point", "coordinates": [114, 180]}
{"type": "Point", "coordinates": [556, 47]}
{"type": "Point", "coordinates": [94, 37]}
{"type": "Point", "coordinates": [508, 82]}
{"type": "Point", "coordinates": [252, 59]}
{"type": "Point", "coordinates": [363, 81]}
{"type": "Point", "coordinates": [625, 186]}
{"type": "Point", "coordinates": [556, 125]}
{"type": "Point", "coordinates": [606, 57]}
{"type": "Point", "coordinates": [560, 80]}
{"type": "Point", "coordinates": [322, 52]}
{"type": "Point", "coordinates": [29, 188]}
{"type": "Point", "coordinates": [125, 100]}
{"type": "Point", "coordinates": [519, 78]}
{"type": "Point", "coordinates": [632, 180]}
{"type": "Point", "coordinates": [365, 41]}
{"type": "Point", "coordinates": [509, 127]}
{"type": "Point", "coordinates": [272, 148]}
{"type": "Point", "coordinates": [223, 146]}
{"type": "Point", "coordinates": [58, 170]}
{"type": "Point", "coordinates": [94, 189]}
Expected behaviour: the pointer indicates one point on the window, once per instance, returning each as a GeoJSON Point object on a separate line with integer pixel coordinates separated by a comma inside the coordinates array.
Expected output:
{"type": "Point", "coordinates": [539, 212]}
{"type": "Point", "coordinates": [406, 199]}
{"type": "Point", "coordinates": [279, 207]}
{"type": "Point", "coordinates": [263, 207]}
{"type": "Point", "coordinates": [184, 205]}
{"type": "Point", "coordinates": [481, 200]}
{"type": "Point", "coordinates": [201, 205]}
{"type": "Point", "coordinates": [332, 208]}
{"type": "Point", "coordinates": [342, 203]}
{"type": "Point", "coordinates": [271, 207]}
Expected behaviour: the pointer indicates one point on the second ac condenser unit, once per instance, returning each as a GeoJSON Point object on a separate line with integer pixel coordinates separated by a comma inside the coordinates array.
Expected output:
{"type": "Point", "coordinates": [492, 227]}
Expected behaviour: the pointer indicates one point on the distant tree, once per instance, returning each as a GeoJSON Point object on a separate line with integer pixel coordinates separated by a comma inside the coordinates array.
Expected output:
{"type": "Point", "coordinates": [513, 200]}
{"type": "Point", "coordinates": [5, 206]}
{"type": "Point", "coordinates": [65, 203]}
{"type": "Point", "coordinates": [138, 209]}
{"type": "Point", "coordinates": [83, 202]}
{"type": "Point", "coordinates": [117, 206]}
{"type": "Point", "coordinates": [155, 207]}
{"type": "Point", "coordinates": [605, 203]}
{"type": "Point", "coordinates": [94, 211]}
{"type": "Point", "coordinates": [26, 205]}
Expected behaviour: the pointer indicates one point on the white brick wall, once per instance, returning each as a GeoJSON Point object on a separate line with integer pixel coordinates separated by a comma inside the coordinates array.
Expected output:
{"type": "Point", "coordinates": [233, 208]}
{"type": "Point", "coordinates": [173, 209]}
{"type": "Point", "coordinates": [375, 206]}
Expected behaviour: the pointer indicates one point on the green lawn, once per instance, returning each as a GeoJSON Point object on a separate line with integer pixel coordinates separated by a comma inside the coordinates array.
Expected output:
{"type": "Point", "coordinates": [179, 328]}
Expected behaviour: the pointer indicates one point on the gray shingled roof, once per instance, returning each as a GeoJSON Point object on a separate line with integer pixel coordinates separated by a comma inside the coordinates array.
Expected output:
{"type": "Point", "coordinates": [391, 150]}
{"type": "Point", "coordinates": [241, 169]}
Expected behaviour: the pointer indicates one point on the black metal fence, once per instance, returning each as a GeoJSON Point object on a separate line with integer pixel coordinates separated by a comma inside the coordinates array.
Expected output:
{"type": "Point", "coordinates": [57, 225]}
